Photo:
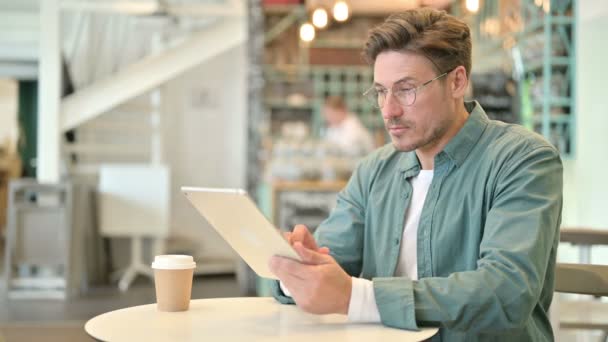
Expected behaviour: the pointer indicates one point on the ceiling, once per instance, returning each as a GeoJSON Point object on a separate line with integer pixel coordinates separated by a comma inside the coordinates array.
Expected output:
{"type": "Point", "coordinates": [381, 7]}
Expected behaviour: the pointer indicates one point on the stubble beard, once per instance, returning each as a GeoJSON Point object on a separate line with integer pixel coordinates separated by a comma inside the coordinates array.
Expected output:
{"type": "Point", "coordinates": [436, 134]}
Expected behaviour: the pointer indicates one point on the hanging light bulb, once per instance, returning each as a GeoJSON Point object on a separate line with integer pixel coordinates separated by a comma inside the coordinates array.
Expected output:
{"type": "Point", "coordinates": [472, 6]}
{"type": "Point", "coordinates": [319, 18]}
{"type": "Point", "coordinates": [547, 6]}
{"type": "Point", "coordinates": [307, 32]}
{"type": "Point", "coordinates": [341, 11]}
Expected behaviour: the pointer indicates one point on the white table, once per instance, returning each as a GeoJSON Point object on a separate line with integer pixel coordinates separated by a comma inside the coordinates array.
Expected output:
{"type": "Point", "coordinates": [238, 319]}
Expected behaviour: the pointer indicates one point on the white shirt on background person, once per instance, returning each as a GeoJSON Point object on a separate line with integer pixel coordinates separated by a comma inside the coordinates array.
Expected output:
{"type": "Point", "coordinates": [351, 136]}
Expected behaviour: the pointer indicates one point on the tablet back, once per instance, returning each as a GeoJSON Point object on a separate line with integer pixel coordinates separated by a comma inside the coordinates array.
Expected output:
{"type": "Point", "coordinates": [237, 219]}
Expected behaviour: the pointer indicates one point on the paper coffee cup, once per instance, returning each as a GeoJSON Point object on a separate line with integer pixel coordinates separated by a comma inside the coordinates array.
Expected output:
{"type": "Point", "coordinates": [173, 281]}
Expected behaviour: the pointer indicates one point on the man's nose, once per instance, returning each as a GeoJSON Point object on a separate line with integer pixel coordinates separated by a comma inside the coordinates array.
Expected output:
{"type": "Point", "coordinates": [391, 108]}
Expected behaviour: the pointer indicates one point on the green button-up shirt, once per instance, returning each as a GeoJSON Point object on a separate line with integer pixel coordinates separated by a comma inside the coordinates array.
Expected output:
{"type": "Point", "coordinates": [487, 238]}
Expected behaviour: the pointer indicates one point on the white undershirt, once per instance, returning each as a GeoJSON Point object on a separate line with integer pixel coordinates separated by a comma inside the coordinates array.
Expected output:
{"type": "Point", "coordinates": [407, 265]}
{"type": "Point", "coordinates": [362, 306]}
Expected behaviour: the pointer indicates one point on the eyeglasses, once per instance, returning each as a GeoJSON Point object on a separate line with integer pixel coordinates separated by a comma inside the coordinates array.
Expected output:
{"type": "Point", "coordinates": [405, 96]}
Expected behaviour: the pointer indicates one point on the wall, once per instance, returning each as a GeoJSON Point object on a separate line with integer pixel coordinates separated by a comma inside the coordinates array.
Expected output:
{"type": "Point", "coordinates": [205, 120]}
{"type": "Point", "coordinates": [586, 184]}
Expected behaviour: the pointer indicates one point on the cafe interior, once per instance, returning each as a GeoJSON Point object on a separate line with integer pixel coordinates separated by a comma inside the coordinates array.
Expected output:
{"type": "Point", "coordinates": [109, 107]}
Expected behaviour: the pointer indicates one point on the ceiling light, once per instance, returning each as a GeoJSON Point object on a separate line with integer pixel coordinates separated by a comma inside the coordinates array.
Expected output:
{"type": "Point", "coordinates": [341, 11]}
{"type": "Point", "coordinates": [472, 6]}
{"type": "Point", "coordinates": [319, 17]}
{"type": "Point", "coordinates": [307, 32]}
{"type": "Point", "coordinates": [547, 6]}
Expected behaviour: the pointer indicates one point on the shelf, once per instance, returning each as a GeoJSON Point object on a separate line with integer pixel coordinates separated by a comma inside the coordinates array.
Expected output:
{"type": "Point", "coordinates": [38, 207]}
{"type": "Point", "coordinates": [495, 101]}
{"type": "Point", "coordinates": [51, 282]}
{"type": "Point", "coordinates": [308, 185]}
{"type": "Point", "coordinates": [554, 102]}
{"type": "Point", "coordinates": [554, 118]}
{"type": "Point", "coordinates": [318, 82]}
{"type": "Point", "coordinates": [339, 44]}
{"type": "Point", "coordinates": [536, 26]}
{"type": "Point", "coordinates": [281, 103]}
{"type": "Point", "coordinates": [562, 20]}
{"type": "Point", "coordinates": [540, 47]}
{"type": "Point", "coordinates": [536, 66]}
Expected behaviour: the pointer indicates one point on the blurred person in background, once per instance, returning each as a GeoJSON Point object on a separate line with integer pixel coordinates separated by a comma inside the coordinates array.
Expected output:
{"type": "Point", "coordinates": [344, 128]}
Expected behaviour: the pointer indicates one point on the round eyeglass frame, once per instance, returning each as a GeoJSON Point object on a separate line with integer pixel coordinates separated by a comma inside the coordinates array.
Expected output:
{"type": "Point", "coordinates": [374, 97]}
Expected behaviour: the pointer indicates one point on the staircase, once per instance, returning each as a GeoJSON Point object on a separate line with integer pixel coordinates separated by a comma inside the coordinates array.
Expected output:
{"type": "Point", "coordinates": [117, 60]}
{"type": "Point", "coordinates": [118, 64]}
{"type": "Point", "coordinates": [19, 27]}
{"type": "Point", "coordinates": [127, 134]}
{"type": "Point", "coordinates": [115, 113]}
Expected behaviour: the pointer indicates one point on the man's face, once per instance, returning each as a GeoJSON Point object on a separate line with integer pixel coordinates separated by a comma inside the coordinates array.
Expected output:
{"type": "Point", "coordinates": [421, 125]}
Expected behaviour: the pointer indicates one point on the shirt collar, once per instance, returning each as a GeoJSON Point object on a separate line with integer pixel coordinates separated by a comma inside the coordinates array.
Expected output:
{"type": "Point", "coordinates": [460, 146]}
{"type": "Point", "coordinates": [410, 164]}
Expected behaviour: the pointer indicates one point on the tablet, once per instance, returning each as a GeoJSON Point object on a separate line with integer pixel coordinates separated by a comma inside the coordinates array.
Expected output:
{"type": "Point", "coordinates": [237, 219]}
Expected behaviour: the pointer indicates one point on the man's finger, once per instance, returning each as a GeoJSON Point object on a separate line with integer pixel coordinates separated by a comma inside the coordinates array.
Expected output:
{"type": "Point", "coordinates": [287, 236]}
{"type": "Point", "coordinates": [311, 257]}
{"type": "Point", "coordinates": [302, 234]}
{"type": "Point", "coordinates": [300, 227]}
{"type": "Point", "coordinates": [323, 250]}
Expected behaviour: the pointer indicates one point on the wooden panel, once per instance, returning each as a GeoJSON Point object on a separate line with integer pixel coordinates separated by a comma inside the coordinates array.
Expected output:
{"type": "Point", "coordinates": [336, 56]}
{"type": "Point", "coordinates": [281, 2]}
{"type": "Point", "coordinates": [322, 192]}
{"type": "Point", "coordinates": [584, 236]}
{"type": "Point", "coordinates": [582, 279]}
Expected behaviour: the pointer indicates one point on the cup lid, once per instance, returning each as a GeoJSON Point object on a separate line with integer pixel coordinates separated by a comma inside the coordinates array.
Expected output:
{"type": "Point", "coordinates": [173, 262]}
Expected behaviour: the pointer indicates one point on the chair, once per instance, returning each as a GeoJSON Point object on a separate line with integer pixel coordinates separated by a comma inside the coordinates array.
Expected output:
{"type": "Point", "coordinates": [585, 279]}
{"type": "Point", "coordinates": [40, 256]}
{"type": "Point", "coordinates": [584, 238]}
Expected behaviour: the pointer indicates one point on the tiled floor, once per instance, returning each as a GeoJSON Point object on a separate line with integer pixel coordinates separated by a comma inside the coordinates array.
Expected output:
{"type": "Point", "coordinates": [53, 332]}
{"type": "Point", "coordinates": [103, 299]}
{"type": "Point", "coordinates": [57, 320]}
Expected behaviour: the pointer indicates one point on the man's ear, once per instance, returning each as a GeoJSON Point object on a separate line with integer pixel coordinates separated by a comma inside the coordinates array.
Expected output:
{"type": "Point", "coordinates": [459, 82]}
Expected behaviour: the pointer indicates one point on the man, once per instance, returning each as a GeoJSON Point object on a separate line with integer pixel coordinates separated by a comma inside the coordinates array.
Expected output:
{"type": "Point", "coordinates": [455, 224]}
{"type": "Point", "coordinates": [344, 129]}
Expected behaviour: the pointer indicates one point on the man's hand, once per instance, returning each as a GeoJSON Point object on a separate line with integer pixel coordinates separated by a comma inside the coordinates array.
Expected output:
{"type": "Point", "coordinates": [301, 234]}
{"type": "Point", "coordinates": [318, 284]}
